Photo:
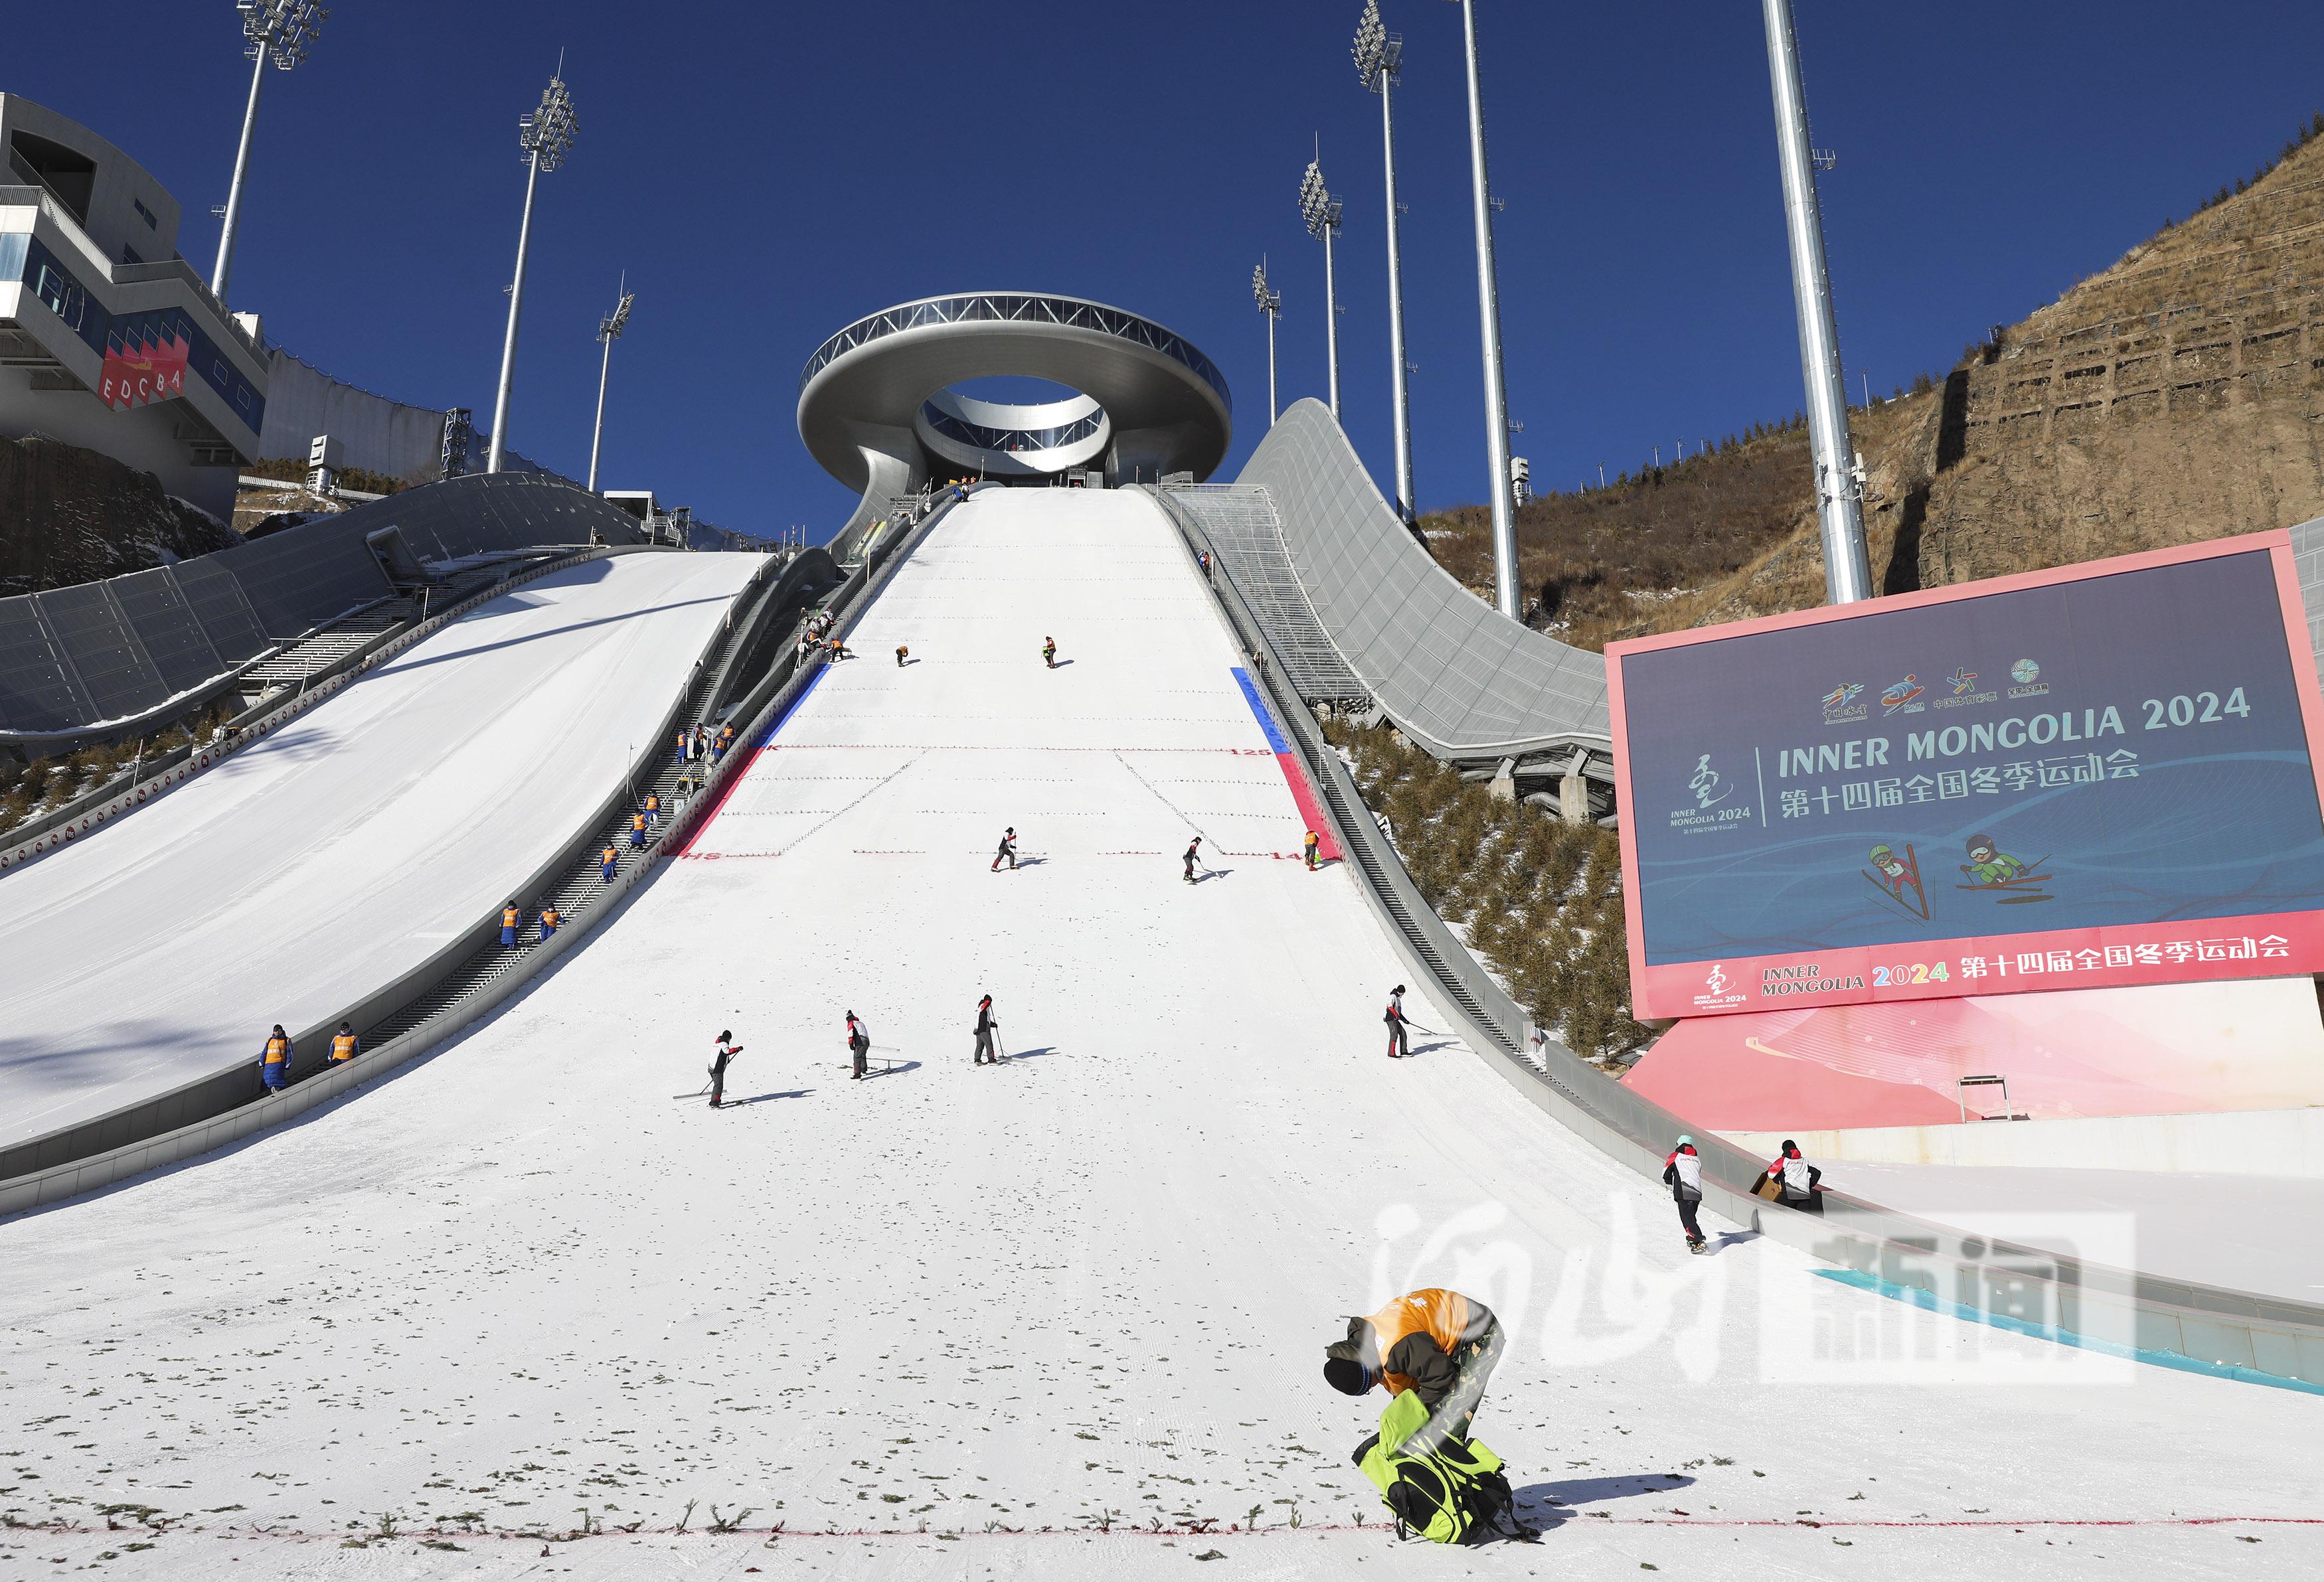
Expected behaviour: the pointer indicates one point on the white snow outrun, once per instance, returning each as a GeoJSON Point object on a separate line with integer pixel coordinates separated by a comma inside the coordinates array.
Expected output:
{"type": "Point", "coordinates": [968, 1321]}
{"type": "Point", "coordinates": [323, 862]}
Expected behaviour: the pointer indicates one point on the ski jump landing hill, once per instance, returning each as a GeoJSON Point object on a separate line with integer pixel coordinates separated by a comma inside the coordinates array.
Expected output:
{"type": "Point", "coordinates": [345, 849]}
{"type": "Point", "coordinates": [1060, 1317]}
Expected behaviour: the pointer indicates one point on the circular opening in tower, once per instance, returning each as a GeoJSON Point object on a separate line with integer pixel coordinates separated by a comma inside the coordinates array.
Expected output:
{"type": "Point", "coordinates": [1013, 426]}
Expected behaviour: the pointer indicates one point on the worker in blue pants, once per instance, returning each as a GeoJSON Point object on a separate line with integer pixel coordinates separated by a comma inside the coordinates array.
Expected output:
{"type": "Point", "coordinates": [275, 1064]}
{"type": "Point", "coordinates": [606, 861]}
{"type": "Point", "coordinates": [508, 924]}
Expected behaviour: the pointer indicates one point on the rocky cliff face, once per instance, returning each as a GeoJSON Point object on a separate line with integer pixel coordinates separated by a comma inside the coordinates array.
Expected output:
{"type": "Point", "coordinates": [2174, 398]}
{"type": "Point", "coordinates": [70, 515]}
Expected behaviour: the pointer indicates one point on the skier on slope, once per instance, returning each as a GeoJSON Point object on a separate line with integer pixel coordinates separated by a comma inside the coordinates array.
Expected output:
{"type": "Point", "coordinates": [1049, 652]}
{"type": "Point", "coordinates": [987, 1028]}
{"type": "Point", "coordinates": [1399, 1044]}
{"type": "Point", "coordinates": [1194, 855]}
{"type": "Point", "coordinates": [903, 652]}
{"type": "Point", "coordinates": [859, 1045]}
{"type": "Point", "coordinates": [1682, 1173]}
{"type": "Point", "coordinates": [1438, 1343]}
{"type": "Point", "coordinates": [1008, 851]}
{"type": "Point", "coordinates": [728, 1050]}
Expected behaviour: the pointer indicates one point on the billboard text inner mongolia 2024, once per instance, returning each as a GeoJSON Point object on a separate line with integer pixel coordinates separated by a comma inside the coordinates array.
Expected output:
{"type": "Point", "coordinates": [2099, 775]}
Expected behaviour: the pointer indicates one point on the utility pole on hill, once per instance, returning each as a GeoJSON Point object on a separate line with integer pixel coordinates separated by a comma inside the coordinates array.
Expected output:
{"type": "Point", "coordinates": [1489, 312]}
{"type": "Point", "coordinates": [544, 137]}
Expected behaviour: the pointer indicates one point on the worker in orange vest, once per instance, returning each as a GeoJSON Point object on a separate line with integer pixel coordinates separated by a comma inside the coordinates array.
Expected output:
{"type": "Point", "coordinates": [637, 832]}
{"type": "Point", "coordinates": [653, 807]}
{"type": "Point", "coordinates": [1312, 842]}
{"type": "Point", "coordinates": [344, 1044]}
{"type": "Point", "coordinates": [508, 925]}
{"type": "Point", "coordinates": [1440, 1343]}
{"type": "Point", "coordinates": [606, 861]}
{"type": "Point", "coordinates": [548, 920]}
{"type": "Point", "coordinates": [274, 1066]}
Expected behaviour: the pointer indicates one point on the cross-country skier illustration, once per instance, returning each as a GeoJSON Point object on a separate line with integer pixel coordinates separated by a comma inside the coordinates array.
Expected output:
{"type": "Point", "coordinates": [1989, 868]}
{"type": "Point", "coordinates": [859, 1044]}
{"type": "Point", "coordinates": [728, 1050]}
{"type": "Point", "coordinates": [1194, 855]}
{"type": "Point", "coordinates": [275, 1061]}
{"type": "Point", "coordinates": [1682, 1173]}
{"type": "Point", "coordinates": [1008, 852]}
{"type": "Point", "coordinates": [1400, 1043]}
{"type": "Point", "coordinates": [988, 1050]}
{"type": "Point", "coordinates": [1439, 1344]}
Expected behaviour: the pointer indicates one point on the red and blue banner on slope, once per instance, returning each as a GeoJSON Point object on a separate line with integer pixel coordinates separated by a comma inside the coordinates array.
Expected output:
{"type": "Point", "coordinates": [1294, 774]}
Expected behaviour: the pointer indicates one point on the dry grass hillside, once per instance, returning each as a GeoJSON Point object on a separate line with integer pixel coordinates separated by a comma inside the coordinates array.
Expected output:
{"type": "Point", "coordinates": [2173, 397]}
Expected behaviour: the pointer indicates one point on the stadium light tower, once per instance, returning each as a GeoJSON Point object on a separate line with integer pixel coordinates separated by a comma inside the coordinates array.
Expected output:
{"type": "Point", "coordinates": [544, 137]}
{"type": "Point", "coordinates": [1271, 303]}
{"type": "Point", "coordinates": [609, 330]}
{"type": "Point", "coordinates": [1489, 309]}
{"type": "Point", "coordinates": [1380, 56]}
{"type": "Point", "coordinates": [1839, 488]}
{"type": "Point", "coordinates": [1322, 212]}
{"type": "Point", "coordinates": [280, 34]}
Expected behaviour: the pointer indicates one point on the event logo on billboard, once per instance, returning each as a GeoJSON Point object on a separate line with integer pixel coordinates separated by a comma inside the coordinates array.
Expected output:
{"type": "Point", "coordinates": [1903, 698]}
{"type": "Point", "coordinates": [1719, 990]}
{"type": "Point", "coordinates": [1963, 681]}
{"type": "Point", "coordinates": [1711, 809]}
{"type": "Point", "coordinates": [2028, 675]}
{"type": "Point", "coordinates": [1840, 707]}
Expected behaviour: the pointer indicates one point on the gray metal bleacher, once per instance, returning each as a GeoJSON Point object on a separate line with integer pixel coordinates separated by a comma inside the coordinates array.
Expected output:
{"type": "Point", "coordinates": [79, 661]}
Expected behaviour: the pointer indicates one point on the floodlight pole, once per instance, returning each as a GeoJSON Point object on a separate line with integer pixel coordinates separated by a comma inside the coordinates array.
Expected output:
{"type": "Point", "coordinates": [1270, 304]}
{"type": "Point", "coordinates": [1322, 212]}
{"type": "Point", "coordinates": [516, 308]}
{"type": "Point", "coordinates": [1274, 405]}
{"type": "Point", "coordinates": [1839, 489]}
{"type": "Point", "coordinates": [241, 174]}
{"type": "Point", "coordinates": [1488, 311]}
{"type": "Point", "coordinates": [609, 330]}
{"type": "Point", "coordinates": [1379, 55]}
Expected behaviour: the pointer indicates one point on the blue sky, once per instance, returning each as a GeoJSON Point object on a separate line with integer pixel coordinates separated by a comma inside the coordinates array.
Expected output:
{"type": "Point", "coordinates": [767, 173]}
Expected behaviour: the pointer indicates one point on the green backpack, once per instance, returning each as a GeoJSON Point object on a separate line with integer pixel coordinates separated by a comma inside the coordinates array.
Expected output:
{"type": "Point", "coordinates": [1456, 1495]}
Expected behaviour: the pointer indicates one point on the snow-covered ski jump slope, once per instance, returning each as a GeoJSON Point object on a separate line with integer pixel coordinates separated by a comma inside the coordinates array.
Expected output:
{"type": "Point", "coordinates": [320, 864]}
{"type": "Point", "coordinates": [970, 1322]}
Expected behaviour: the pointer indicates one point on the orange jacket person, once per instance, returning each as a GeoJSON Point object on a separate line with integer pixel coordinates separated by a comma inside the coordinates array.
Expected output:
{"type": "Point", "coordinates": [509, 915]}
{"type": "Point", "coordinates": [606, 861]}
{"type": "Point", "coordinates": [344, 1044]}
{"type": "Point", "coordinates": [275, 1064]}
{"type": "Point", "coordinates": [1441, 1344]}
{"type": "Point", "coordinates": [549, 920]}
